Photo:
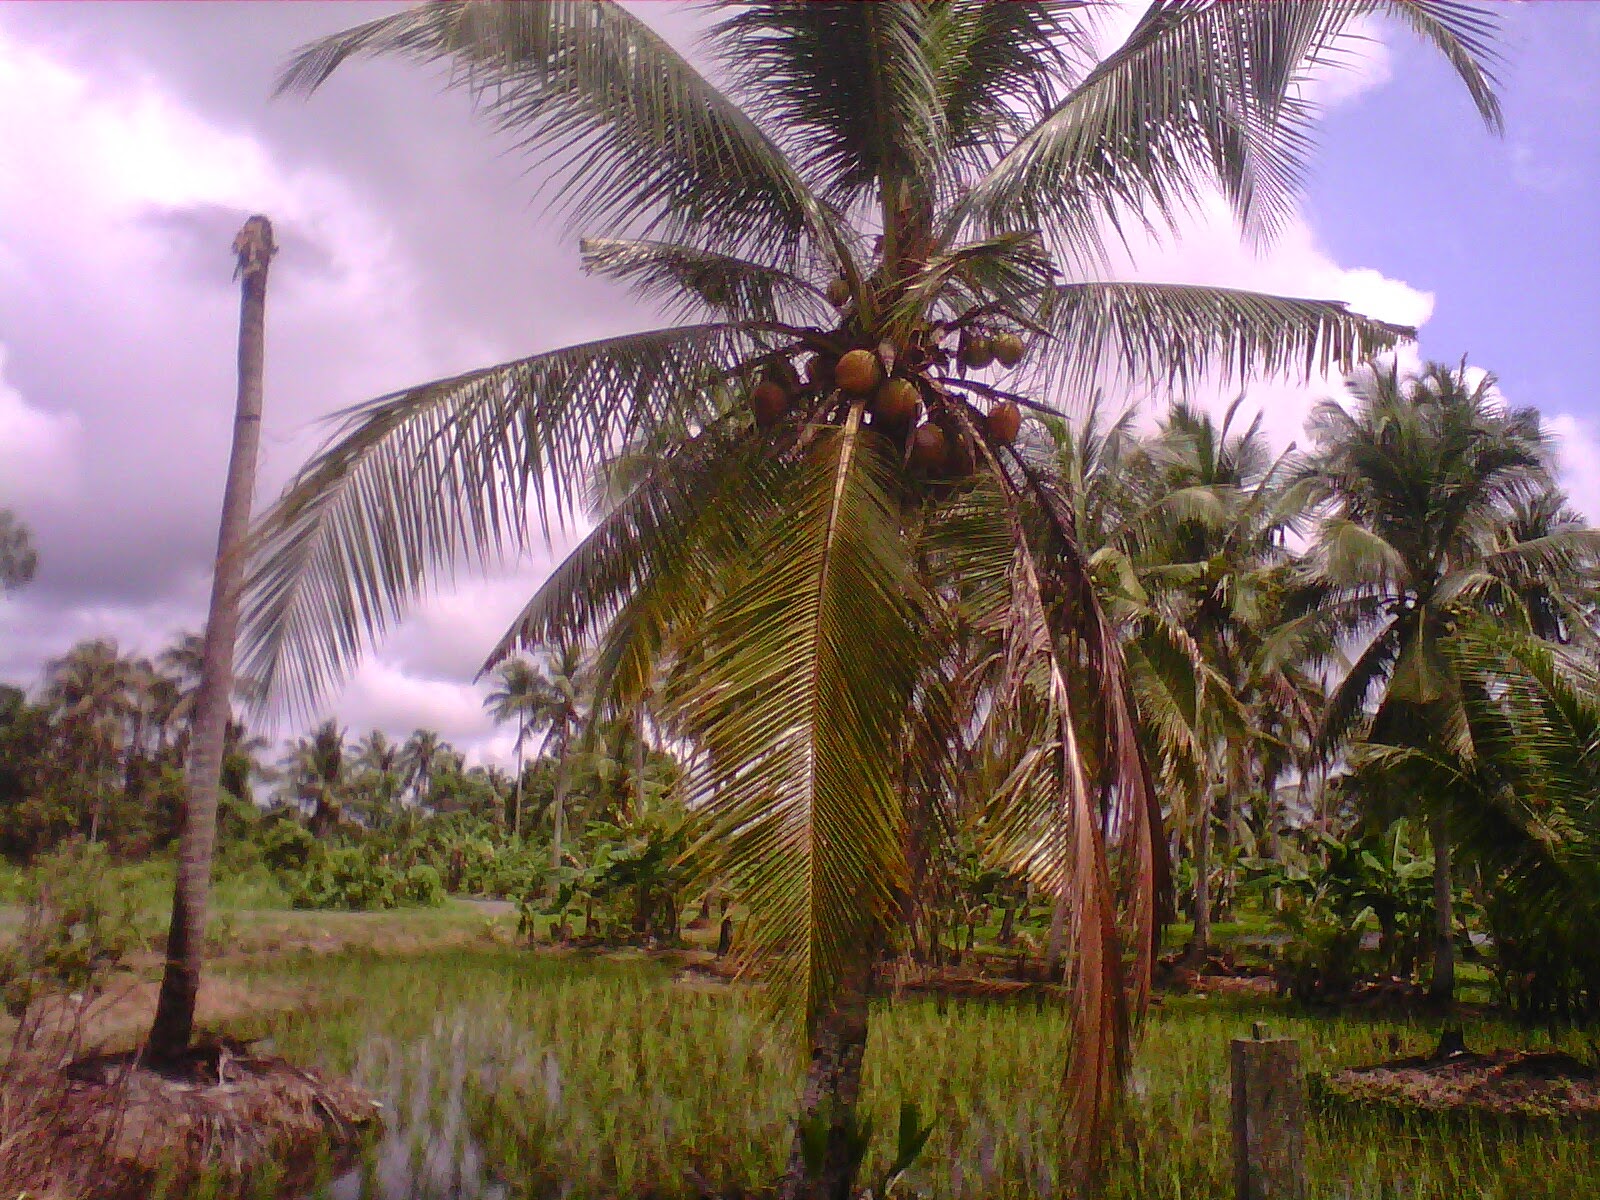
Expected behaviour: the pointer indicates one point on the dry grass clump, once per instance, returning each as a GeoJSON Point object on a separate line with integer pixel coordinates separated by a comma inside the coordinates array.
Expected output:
{"type": "Point", "coordinates": [108, 1128]}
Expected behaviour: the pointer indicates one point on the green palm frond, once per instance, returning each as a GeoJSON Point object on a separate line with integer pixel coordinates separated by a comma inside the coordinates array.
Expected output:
{"type": "Point", "coordinates": [1012, 270]}
{"type": "Point", "coordinates": [458, 470]}
{"type": "Point", "coordinates": [689, 281]}
{"type": "Point", "coordinates": [1197, 91]}
{"type": "Point", "coordinates": [635, 135]}
{"type": "Point", "coordinates": [999, 68]}
{"type": "Point", "coordinates": [849, 86]}
{"type": "Point", "coordinates": [652, 557]}
{"type": "Point", "coordinates": [799, 723]}
{"type": "Point", "coordinates": [1174, 334]}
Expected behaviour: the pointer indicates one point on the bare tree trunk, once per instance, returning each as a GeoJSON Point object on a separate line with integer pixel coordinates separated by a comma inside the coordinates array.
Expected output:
{"type": "Point", "coordinates": [1442, 989]}
{"type": "Point", "coordinates": [180, 982]}
{"type": "Point", "coordinates": [828, 1104]}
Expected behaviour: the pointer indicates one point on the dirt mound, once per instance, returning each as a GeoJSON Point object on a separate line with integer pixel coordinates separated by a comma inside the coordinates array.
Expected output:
{"type": "Point", "coordinates": [1514, 1084]}
{"type": "Point", "coordinates": [108, 1129]}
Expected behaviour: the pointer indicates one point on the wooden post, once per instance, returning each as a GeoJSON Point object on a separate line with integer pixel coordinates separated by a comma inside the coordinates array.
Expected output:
{"type": "Point", "coordinates": [1268, 1120]}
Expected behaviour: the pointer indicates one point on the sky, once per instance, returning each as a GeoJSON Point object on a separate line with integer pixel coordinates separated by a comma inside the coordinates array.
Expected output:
{"type": "Point", "coordinates": [135, 139]}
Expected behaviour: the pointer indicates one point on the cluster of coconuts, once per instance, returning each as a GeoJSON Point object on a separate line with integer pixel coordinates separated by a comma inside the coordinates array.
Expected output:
{"type": "Point", "coordinates": [936, 446]}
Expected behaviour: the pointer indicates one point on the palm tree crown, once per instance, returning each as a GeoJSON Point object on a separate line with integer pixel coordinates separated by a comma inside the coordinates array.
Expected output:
{"type": "Point", "coordinates": [865, 217]}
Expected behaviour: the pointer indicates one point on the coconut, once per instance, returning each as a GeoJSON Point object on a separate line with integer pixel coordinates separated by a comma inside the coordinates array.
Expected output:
{"type": "Point", "coordinates": [1003, 422]}
{"type": "Point", "coordinates": [769, 402]}
{"type": "Point", "coordinates": [839, 293]}
{"type": "Point", "coordinates": [858, 372]}
{"type": "Point", "coordinates": [928, 448]}
{"type": "Point", "coordinates": [819, 372]}
{"type": "Point", "coordinates": [976, 353]}
{"type": "Point", "coordinates": [896, 402]}
{"type": "Point", "coordinates": [1007, 349]}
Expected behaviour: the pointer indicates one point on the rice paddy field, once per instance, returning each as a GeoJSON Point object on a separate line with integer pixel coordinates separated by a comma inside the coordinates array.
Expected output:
{"type": "Point", "coordinates": [507, 1073]}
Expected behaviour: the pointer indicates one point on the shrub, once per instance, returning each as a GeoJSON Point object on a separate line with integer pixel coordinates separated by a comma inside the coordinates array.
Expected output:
{"type": "Point", "coordinates": [81, 921]}
{"type": "Point", "coordinates": [357, 879]}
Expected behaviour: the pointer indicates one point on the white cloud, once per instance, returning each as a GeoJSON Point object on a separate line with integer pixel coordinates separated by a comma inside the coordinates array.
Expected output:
{"type": "Point", "coordinates": [1578, 457]}
{"type": "Point", "coordinates": [1208, 248]}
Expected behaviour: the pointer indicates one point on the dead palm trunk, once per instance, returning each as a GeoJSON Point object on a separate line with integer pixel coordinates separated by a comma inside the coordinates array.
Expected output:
{"type": "Point", "coordinates": [180, 983]}
{"type": "Point", "coordinates": [1442, 989]}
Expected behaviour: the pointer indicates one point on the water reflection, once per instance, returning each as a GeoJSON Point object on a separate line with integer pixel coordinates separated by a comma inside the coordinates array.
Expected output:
{"type": "Point", "coordinates": [428, 1151]}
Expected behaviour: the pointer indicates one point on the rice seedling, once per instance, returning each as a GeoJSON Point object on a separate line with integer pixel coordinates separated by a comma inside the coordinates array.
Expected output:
{"type": "Point", "coordinates": [512, 1075]}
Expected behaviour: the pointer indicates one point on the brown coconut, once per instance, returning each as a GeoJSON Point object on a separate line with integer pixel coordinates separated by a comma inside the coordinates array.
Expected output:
{"type": "Point", "coordinates": [1007, 349]}
{"type": "Point", "coordinates": [976, 353]}
{"type": "Point", "coordinates": [858, 372]}
{"type": "Point", "coordinates": [896, 402]}
{"type": "Point", "coordinates": [769, 401]}
{"type": "Point", "coordinates": [928, 449]}
{"type": "Point", "coordinates": [1003, 423]}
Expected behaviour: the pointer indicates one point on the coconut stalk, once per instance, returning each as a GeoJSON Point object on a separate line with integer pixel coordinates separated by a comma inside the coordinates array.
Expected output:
{"type": "Point", "coordinates": [180, 981]}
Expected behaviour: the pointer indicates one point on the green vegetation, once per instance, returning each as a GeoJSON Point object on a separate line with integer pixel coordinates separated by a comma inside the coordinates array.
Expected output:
{"type": "Point", "coordinates": [617, 1078]}
{"type": "Point", "coordinates": [882, 665]}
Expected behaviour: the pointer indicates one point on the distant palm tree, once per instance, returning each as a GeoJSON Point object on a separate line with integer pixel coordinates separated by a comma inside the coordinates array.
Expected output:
{"type": "Point", "coordinates": [897, 189]}
{"type": "Point", "coordinates": [18, 559]}
{"type": "Point", "coordinates": [316, 769]}
{"type": "Point", "coordinates": [513, 698]}
{"type": "Point", "coordinates": [379, 758]}
{"type": "Point", "coordinates": [1435, 507]}
{"type": "Point", "coordinates": [418, 760]}
{"type": "Point", "coordinates": [94, 692]}
{"type": "Point", "coordinates": [1220, 569]}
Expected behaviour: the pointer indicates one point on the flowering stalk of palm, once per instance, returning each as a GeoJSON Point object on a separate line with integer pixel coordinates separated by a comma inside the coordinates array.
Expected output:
{"type": "Point", "coordinates": [1426, 487]}
{"type": "Point", "coordinates": [881, 228]}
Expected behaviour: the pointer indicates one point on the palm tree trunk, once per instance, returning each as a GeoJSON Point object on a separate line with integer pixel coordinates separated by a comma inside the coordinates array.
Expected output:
{"type": "Point", "coordinates": [1200, 944]}
{"type": "Point", "coordinates": [559, 802]}
{"type": "Point", "coordinates": [1442, 989]}
{"type": "Point", "coordinates": [516, 803]}
{"type": "Point", "coordinates": [828, 1103]}
{"type": "Point", "coordinates": [638, 759]}
{"type": "Point", "coordinates": [180, 982]}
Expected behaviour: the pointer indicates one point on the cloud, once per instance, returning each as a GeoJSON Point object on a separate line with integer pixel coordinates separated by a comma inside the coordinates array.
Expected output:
{"type": "Point", "coordinates": [1578, 460]}
{"type": "Point", "coordinates": [38, 449]}
{"type": "Point", "coordinates": [1208, 248]}
{"type": "Point", "coordinates": [410, 250]}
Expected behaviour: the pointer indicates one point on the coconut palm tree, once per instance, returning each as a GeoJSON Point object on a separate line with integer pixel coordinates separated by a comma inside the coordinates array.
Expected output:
{"type": "Point", "coordinates": [419, 758]}
{"type": "Point", "coordinates": [94, 694]}
{"type": "Point", "coordinates": [1218, 569]}
{"type": "Point", "coordinates": [316, 768]}
{"type": "Point", "coordinates": [1426, 489]}
{"type": "Point", "coordinates": [18, 559]}
{"type": "Point", "coordinates": [904, 195]}
{"type": "Point", "coordinates": [514, 697]}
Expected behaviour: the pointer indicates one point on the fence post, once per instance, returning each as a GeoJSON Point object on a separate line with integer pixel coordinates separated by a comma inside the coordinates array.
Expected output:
{"type": "Point", "coordinates": [1269, 1110]}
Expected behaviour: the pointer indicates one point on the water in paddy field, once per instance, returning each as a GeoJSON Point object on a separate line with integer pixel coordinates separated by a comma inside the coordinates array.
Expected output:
{"type": "Point", "coordinates": [428, 1151]}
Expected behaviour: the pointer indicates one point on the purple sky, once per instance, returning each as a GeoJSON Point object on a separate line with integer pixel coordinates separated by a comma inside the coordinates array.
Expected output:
{"type": "Point", "coordinates": [136, 138]}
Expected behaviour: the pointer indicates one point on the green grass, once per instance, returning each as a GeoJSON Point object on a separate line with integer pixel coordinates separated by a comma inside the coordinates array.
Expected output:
{"type": "Point", "coordinates": [607, 1077]}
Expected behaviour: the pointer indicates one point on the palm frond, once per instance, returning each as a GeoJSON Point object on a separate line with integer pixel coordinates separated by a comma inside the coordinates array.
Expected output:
{"type": "Point", "coordinates": [692, 282]}
{"type": "Point", "coordinates": [460, 470]}
{"type": "Point", "coordinates": [1174, 334]}
{"type": "Point", "coordinates": [1198, 90]}
{"type": "Point", "coordinates": [635, 136]}
{"type": "Point", "coordinates": [799, 726]}
{"type": "Point", "coordinates": [848, 85]}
